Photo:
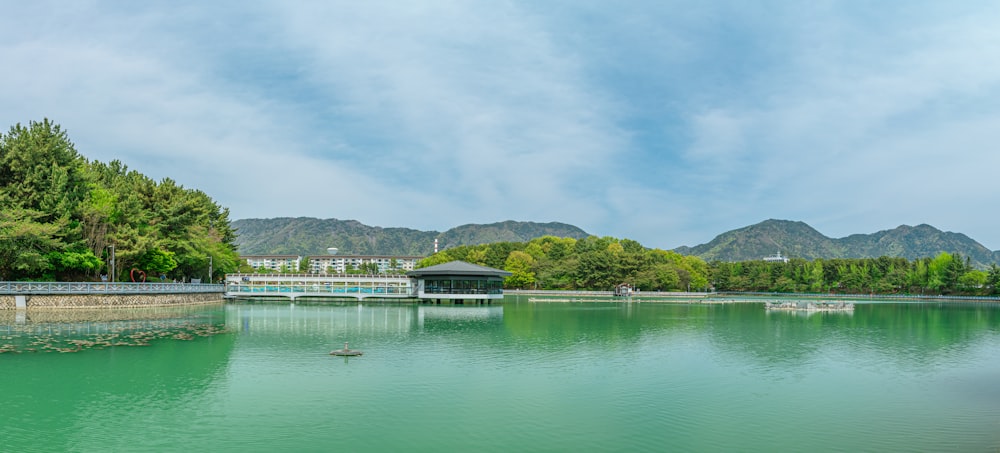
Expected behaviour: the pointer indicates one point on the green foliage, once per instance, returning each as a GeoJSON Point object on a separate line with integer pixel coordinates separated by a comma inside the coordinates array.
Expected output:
{"type": "Point", "coordinates": [519, 265]}
{"type": "Point", "coordinates": [26, 243]}
{"type": "Point", "coordinates": [156, 262]}
{"type": "Point", "coordinates": [594, 263]}
{"type": "Point", "coordinates": [435, 259]}
{"type": "Point", "coordinates": [40, 170]}
{"type": "Point", "coordinates": [79, 262]}
{"type": "Point", "coordinates": [61, 215]}
{"type": "Point", "coordinates": [944, 274]}
{"type": "Point", "coordinates": [591, 263]}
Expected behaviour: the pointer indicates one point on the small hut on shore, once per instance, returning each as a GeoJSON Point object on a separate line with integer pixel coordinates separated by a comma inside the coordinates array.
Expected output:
{"type": "Point", "coordinates": [624, 290]}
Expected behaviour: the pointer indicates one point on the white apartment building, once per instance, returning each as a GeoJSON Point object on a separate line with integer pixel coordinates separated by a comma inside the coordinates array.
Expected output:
{"type": "Point", "coordinates": [273, 262]}
{"type": "Point", "coordinates": [339, 264]}
{"type": "Point", "coordinates": [332, 264]}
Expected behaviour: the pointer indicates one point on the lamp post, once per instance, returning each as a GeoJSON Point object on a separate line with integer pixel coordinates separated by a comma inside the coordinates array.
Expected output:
{"type": "Point", "coordinates": [211, 227]}
{"type": "Point", "coordinates": [112, 263]}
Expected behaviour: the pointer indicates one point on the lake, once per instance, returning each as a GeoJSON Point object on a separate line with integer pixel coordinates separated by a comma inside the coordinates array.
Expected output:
{"type": "Point", "coordinates": [517, 376]}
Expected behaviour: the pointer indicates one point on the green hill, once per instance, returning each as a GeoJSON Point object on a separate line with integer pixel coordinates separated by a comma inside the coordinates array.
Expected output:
{"type": "Point", "coordinates": [311, 236]}
{"type": "Point", "coordinates": [799, 240]}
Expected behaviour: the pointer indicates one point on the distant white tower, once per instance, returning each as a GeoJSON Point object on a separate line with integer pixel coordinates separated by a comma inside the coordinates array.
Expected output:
{"type": "Point", "coordinates": [435, 245]}
{"type": "Point", "coordinates": [331, 250]}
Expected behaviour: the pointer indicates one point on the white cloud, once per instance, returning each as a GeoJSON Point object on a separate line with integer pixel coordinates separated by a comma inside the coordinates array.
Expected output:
{"type": "Point", "coordinates": [434, 114]}
{"type": "Point", "coordinates": [494, 118]}
{"type": "Point", "coordinates": [866, 137]}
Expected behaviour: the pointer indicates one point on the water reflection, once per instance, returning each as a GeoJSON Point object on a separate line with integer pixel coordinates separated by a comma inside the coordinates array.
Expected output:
{"type": "Point", "coordinates": [353, 319]}
{"type": "Point", "coordinates": [292, 319]}
{"type": "Point", "coordinates": [910, 333]}
{"type": "Point", "coordinates": [906, 333]}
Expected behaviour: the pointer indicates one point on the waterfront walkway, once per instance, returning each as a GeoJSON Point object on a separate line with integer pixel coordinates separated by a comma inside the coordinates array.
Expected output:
{"type": "Point", "coordinates": [40, 288]}
{"type": "Point", "coordinates": [24, 295]}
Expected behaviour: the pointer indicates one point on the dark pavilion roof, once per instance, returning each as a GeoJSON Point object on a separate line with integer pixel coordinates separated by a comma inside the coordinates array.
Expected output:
{"type": "Point", "coordinates": [458, 268]}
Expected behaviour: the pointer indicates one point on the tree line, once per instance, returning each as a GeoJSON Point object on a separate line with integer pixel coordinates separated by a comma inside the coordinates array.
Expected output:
{"type": "Point", "coordinates": [944, 274]}
{"type": "Point", "coordinates": [592, 263]}
{"type": "Point", "coordinates": [63, 217]}
{"type": "Point", "coordinates": [600, 263]}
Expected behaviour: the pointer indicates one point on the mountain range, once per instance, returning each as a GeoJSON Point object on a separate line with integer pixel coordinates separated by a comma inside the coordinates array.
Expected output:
{"type": "Point", "coordinates": [312, 236]}
{"type": "Point", "coordinates": [799, 240]}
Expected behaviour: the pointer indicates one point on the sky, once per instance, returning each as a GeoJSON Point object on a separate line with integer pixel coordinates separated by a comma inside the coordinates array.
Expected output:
{"type": "Point", "coordinates": [667, 122]}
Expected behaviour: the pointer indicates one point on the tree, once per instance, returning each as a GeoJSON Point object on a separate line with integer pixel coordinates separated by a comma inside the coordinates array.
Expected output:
{"type": "Point", "coordinates": [993, 279]}
{"type": "Point", "coordinates": [156, 262]}
{"type": "Point", "coordinates": [597, 269]}
{"type": "Point", "coordinates": [814, 278]}
{"type": "Point", "coordinates": [74, 262]}
{"type": "Point", "coordinates": [660, 277]}
{"type": "Point", "coordinates": [40, 170]}
{"type": "Point", "coordinates": [435, 259]}
{"type": "Point", "coordinates": [477, 256]}
{"type": "Point", "coordinates": [699, 273]}
{"type": "Point", "coordinates": [65, 212]}
{"type": "Point", "coordinates": [916, 277]}
{"type": "Point", "coordinates": [939, 272]}
{"type": "Point", "coordinates": [535, 250]}
{"type": "Point", "coordinates": [519, 263]}
{"type": "Point", "coordinates": [973, 280]}
{"type": "Point", "coordinates": [25, 243]}
{"type": "Point", "coordinates": [244, 267]}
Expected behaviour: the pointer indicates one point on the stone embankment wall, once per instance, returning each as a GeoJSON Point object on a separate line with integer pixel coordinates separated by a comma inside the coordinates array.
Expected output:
{"type": "Point", "coordinates": [111, 300]}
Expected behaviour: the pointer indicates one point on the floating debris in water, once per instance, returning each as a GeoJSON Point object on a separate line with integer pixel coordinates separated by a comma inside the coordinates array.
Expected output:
{"type": "Point", "coordinates": [346, 352]}
{"type": "Point", "coordinates": [70, 340]}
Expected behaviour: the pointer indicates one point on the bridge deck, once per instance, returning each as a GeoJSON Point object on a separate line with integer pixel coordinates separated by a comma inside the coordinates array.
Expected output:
{"type": "Point", "coordinates": [293, 286]}
{"type": "Point", "coordinates": [38, 288]}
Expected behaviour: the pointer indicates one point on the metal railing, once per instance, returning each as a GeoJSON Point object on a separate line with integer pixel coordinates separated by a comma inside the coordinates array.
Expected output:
{"type": "Point", "coordinates": [863, 296]}
{"type": "Point", "coordinates": [317, 290]}
{"type": "Point", "coordinates": [436, 290]}
{"type": "Point", "coordinates": [276, 276]}
{"type": "Point", "coordinates": [8, 288]}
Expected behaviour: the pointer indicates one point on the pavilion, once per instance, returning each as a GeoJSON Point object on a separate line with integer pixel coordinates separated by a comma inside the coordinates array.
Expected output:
{"type": "Point", "coordinates": [459, 281]}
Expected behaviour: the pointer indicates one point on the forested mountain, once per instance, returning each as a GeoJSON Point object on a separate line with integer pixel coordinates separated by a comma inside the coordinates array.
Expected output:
{"type": "Point", "coordinates": [312, 236]}
{"type": "Point", "coordinates": [799, 240]}
{"type": "Point", "coordinates": [64, 218]}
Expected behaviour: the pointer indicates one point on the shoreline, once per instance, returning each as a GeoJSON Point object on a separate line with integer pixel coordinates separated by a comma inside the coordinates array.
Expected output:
{"type": "Point", "coordinates": [734, 299]}
{"type": "Point", "coordinates": [106, 301]}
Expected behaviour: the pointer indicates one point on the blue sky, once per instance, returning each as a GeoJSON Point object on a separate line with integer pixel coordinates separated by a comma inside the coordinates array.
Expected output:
{"type": "Point", "coordinates": [667, 122]}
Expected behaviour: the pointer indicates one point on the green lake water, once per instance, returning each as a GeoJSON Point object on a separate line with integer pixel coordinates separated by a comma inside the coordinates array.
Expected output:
{"type": "Point", "coordinates": [517, 376]}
